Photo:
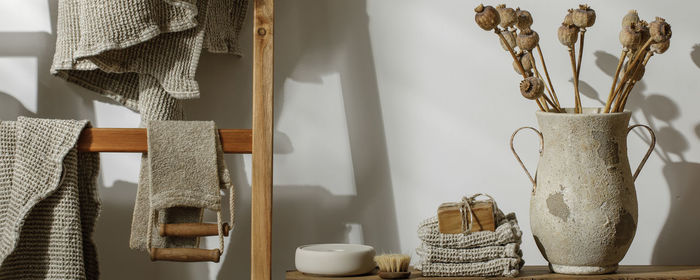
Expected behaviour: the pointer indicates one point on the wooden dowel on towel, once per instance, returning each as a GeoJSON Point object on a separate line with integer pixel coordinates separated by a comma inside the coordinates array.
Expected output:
{"type": "Point", "coordinates": [135, 140]}
{"type": "Point", "coordinates": [192, 229]}
{"type": "Point", "coordinates": [185, 255]}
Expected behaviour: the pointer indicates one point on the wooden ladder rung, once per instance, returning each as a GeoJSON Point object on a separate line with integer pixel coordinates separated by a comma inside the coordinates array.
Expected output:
{"type": "Point", "coordinates": [185, 255]}
{"type": "Point", "coordinates": [135, 140]}
{"type": "Point", "coordinates": [192, 229]}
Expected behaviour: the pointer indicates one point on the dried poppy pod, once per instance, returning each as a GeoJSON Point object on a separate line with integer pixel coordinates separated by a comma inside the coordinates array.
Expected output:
{"type": "Point", "coordinates": [510, 40]}
{"type": "Point", "coordinates": [637, 75]}
{"type": "Point", "coordinates": [525, 61]}
{"type": "Point", "coordinates": [630, 37]}
{"type": "Point", "coordinates": [660, 48]}
{"type": "Point", "coordinates": [532, 88]}
{"type": "Point", "coordinates": [486, 17]}
{"type": "Point", "coordinates": [569, 18]}
{"type": "Point", "coordinates": [642, 27]}
{"type": "Point", "coordinates": [660, 30]}
{"type": "Point", "coordinates": [524, 19]}
{"type": "Point", "coordinates": [584, 16]}
{"type": "Point", "coordinates": [568, 34]}
{"type": "Point", "coordinates": [630, 18]}
{"type": "Point", "coordinates": [527, 39]}
{"type": "Point", "coordinates": [507, 15]}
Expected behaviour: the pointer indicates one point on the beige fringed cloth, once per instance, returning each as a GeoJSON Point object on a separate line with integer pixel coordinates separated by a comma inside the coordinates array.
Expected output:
{"type": "Point", "coordinates": [144, 54]}
{"type": "Point", "coordinates": [48, 201]}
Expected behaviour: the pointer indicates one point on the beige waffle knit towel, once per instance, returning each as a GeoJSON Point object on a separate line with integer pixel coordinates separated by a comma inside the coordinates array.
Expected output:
{"type": "Point", "coordinates": [429, 253]}
{"type": "Point", "coordinates": [508, 267]}
{"type": "Point", "coordinates": [186, 169]}
{"type": "Point", "coordinates": [106, 46]}
{"type": "Point", "coordinates": [507, 231]}
{"type": "Point", "coordinates": [48, 201]}
{"type": "Point", "coordinates": [144, 54]}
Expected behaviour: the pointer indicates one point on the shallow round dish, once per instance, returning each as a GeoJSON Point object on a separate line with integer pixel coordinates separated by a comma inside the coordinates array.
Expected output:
{"type": "Point", "coordinates": [335, 259]}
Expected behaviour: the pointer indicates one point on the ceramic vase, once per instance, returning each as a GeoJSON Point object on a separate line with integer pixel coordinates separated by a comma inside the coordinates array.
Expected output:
{"type": "Point", "coordinates": [583, 207]}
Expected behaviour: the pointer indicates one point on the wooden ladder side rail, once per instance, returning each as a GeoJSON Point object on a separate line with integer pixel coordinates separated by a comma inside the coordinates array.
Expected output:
{"type": "Point", "coordinates": [135, 140]}
{"type": "Point", "coordinates": [263, 88]}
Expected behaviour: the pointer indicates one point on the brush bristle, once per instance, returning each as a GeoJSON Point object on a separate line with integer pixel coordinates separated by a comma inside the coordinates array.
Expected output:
{"type": "Point", "coordinates": [393, 262]}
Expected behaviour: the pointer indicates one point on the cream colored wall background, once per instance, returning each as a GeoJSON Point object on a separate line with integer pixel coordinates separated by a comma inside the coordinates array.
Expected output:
{"type": "Point", "coordinates": [384, 110]}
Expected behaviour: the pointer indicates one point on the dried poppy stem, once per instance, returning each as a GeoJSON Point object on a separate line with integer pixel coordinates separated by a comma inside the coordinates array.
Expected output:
{"type": "Point", "coordinates": [630, 86]}
{"type": "Point", "coordinates": [511, 51]}
{"type": "Point", "coordinates": [544, 97]}
{"type": "Point", "coordinates": [611, 96]}
{"type": "Point", "coordinates": [517, 61]}
{"type": "Point", "coordinates": [572, 55]}
{"type": "Point", "coordinates": [623, 98]}
{"type": "Point", "coordinates": [549, 81]}
{"type": "Point", "coordinates": [632, 64]}
{"type": "Point", "coordinates": [540, 105]}
{"type": "Point", "coordinates": [578, 70]}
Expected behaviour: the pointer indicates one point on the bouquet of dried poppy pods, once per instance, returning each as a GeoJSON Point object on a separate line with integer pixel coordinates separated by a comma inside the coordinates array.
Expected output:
{"type": "Point", "coordinates": [640, 41]}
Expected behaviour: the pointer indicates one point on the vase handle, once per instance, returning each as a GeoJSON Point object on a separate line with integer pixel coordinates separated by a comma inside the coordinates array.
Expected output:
{"type": "Point", "coordinates": [512, 137]}
{"type": "Point", "coordinates": [651, 147]}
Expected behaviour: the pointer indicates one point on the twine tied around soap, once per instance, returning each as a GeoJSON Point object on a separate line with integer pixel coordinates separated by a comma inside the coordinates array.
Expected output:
{"type": "Point", "coordinates": [466, 209]}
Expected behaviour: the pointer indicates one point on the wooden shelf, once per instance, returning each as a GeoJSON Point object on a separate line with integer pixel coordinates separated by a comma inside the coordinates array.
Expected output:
{"type": "Point", "coordinates": [637, 272]}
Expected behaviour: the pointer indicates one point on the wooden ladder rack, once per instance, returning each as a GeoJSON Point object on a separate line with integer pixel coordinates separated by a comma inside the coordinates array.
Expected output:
{"type": "Point", "coordinates": [257, 141]}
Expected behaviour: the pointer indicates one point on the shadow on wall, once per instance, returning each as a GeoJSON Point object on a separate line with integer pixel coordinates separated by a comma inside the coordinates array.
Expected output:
{"type": "Point", "coordinates": [339, 43]}
{"type": "Point", "coordinates": [677, 243]}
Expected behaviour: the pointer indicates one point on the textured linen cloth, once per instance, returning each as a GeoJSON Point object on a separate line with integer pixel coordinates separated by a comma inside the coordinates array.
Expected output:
{"type": "Point", "coordinates": [106, 46]}
{"type": "Point", "coordinates": [448, 255]}
{"type": "Point", "coordinates": [482, 253]}
{"type": "Point", "coordinates": [144, 54]}
{"type": "Point", "coordinates": [507, 231]}
{"type": "Point", "coordinates": [186, 171]}
{"type": "Point", "coordinates": [508, 267]}
{"type": "Point", "coordinates": [48, 201]}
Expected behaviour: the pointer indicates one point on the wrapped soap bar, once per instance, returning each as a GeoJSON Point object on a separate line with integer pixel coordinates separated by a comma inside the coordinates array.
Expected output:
{"type": "Point", "coordinates": [451, 217]}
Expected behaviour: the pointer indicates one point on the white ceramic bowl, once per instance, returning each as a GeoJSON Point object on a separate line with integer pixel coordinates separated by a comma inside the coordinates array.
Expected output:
{"type": "Point", "coordinates": [335, 259]}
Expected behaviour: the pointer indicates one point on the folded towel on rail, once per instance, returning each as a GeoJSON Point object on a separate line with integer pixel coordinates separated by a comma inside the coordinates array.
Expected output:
{"type": "Point", "coordinates": [48, 201]}
{"type": "Point", "coordinates": [186, 169]}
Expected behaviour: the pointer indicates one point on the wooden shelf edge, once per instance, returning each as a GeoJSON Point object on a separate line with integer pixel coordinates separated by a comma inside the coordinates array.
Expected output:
{"type": "Point", "coordinates": [637, 272]}
{"type": "Point", "coordinates": [135, 140]}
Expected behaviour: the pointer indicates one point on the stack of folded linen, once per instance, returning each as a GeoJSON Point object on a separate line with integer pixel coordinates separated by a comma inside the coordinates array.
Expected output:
{"type": "Point", "coordinates": [483, 253]}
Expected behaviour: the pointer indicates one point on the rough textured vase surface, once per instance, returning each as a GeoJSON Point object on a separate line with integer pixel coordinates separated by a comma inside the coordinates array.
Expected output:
{"type": "Point", "coordinates": [583, 208]}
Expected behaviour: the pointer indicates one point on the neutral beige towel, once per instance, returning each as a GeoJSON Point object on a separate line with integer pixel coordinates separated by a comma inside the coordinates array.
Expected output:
{"type": "Point", "coordinates": [106, 46]}
{"type": "Point", "coordinates": [144, 54]}
{"type": "Point", "coordinates": [186, 171]}
{"type": "Point", "coordinates": [48, 201]}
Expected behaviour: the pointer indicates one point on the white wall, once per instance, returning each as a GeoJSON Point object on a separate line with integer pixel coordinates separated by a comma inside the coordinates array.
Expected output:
{"type": "Point", "coordinates": [384, 110]}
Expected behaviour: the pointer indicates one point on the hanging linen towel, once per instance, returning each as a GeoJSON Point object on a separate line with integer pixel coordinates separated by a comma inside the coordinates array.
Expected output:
{"type": "Point", "coordinates": [106, 46]}
{"type": "Point", "coordinates": [48, 201]}
{"type": "Point", "coordinates": [186, 167]}
{"type": "Point", "coordinates": [144, 54]}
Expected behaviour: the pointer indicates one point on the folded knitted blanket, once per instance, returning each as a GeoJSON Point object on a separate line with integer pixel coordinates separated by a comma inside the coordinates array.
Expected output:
{"type": "Point", "coordinates": [507, 231]}
{"type": "Point", "coordinates": [48, 201]}
{"type": "Point", "coordinates": [508, 267]}
{"type": "Point", "coordinates": [434, 254]}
